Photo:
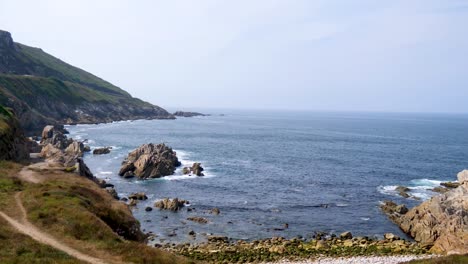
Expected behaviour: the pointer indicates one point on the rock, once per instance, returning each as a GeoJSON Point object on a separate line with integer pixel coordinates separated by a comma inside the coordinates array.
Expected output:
{"type": "Point", "coordinates": [348, 243]}
{"type": "Point", "coordinates": [187, 114]}
{"type": "Point", "coordinates": [148, 209]}
{"type": "Point", "coordinates": [215, 211]}
{"type": "Point", "coordinates": [101, 151]}
{"type": "Point", "coordinates": [322, 245]}
{"type": "Point", "coordinates": [150, 161]}
{"type": "Point", "coordinates": [346, 235]}
{"type": "Point", "coordinates": [128, 175]}
{"type": "Point", "coordinates": [75, 149]}
{"type": "Point", "coordinates": [440, 189]}
{"type": "Point", "coordinates": [441, 222]}
{"type": "Point", "coordinates": [401, 209]}
{"type": "Point", "coordinates": [216, 239]}
{"type": "Point", "coordinates": [47, 132]}
{"type": "Point", "coordinates": [55, 136]}
{"type": "Point", "coordinates": [138, 196]}
{"type": "Point", "coordinates": [83, 169]}
{"type": "Point", "coordinates": [113, 193]}
{"type": "Point", "coordinates": [450, 185]}
{"type": "Point", "coordinates": [195, 169]}
{"type": "Point", "coordinates": [280, 249]}
{"type": "Point", "coordinates": [403, 191]}
{"type": "Point", "coordinates": [170, 204]}
{"type": "Point", "coordinates": [103, 184]}
{"type": "Point", "coordinates": [192, 233]}
{"type": "Point", "coordinates": [462, 176]}
{"type": "Point", "coordinates": [86, 148]}
{"type": "Point", "coordinates": [197, 219]}
{"type": "Point", "coordinates": [390, 236]}
{"type": "Point", "coordinates": [132, 202]}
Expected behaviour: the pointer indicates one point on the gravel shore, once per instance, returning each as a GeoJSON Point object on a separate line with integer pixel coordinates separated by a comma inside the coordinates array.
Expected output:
{"type": "Point", "coordinates": [355, 260]}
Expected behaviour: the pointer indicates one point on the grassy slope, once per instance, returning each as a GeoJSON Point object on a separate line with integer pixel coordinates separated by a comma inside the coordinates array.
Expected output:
{"type": "Point", "coordinates": [16, 247]}
{"type": "Point", "coordinates": [48, 66]}
{"type": "Point", "coordinates": [75, 210]}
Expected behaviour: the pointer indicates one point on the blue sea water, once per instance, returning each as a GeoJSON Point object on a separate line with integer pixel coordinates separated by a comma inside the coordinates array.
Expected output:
{"type": "Point", "coordinates": [315, 171]}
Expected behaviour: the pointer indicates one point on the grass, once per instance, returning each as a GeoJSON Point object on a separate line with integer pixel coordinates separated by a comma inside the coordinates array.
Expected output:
{"type": "Point", "coordinates": [453, 259]}
{"type": "Point", "coordinates": [79, 213]}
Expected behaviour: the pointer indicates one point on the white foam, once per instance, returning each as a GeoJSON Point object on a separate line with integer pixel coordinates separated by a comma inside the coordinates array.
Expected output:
{"type": "Point", "coordinates": [388, 190]}
{"type": "Point", "coordinates": [425, 182]}
{"type": "Point", "coordinates": [105, 173]}
{"type": "Point", "coordinates": [365, 218]}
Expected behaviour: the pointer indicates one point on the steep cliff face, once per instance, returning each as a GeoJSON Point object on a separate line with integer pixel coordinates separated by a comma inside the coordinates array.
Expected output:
{"type": "Point", "coordinates": [45, 90]}
{"type": "Point", "coordinates": [13, 145]}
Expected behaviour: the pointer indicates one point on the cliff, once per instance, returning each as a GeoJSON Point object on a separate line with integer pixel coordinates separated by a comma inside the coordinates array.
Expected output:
{"type": "Point", "coordinates": [44, 90]}
{"type": "Point", "coordinates": [13, 145]}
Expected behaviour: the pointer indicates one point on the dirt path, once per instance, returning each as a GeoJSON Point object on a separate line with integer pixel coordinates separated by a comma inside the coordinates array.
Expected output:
{"type": "Point", "coordinates": [27, 228]}
{"type": "Point", "coordinates": [26, 174]}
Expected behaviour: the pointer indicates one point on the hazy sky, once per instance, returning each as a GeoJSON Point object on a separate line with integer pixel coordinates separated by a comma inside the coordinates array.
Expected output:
{"type": "Point", "coordinates": [290, 54]}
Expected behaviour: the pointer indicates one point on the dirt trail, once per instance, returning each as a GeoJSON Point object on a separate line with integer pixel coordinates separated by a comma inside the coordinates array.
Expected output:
{"type": "Point", "coordinates": [27, 228]}
{"type": "Point", "coordinates": [26, 174]}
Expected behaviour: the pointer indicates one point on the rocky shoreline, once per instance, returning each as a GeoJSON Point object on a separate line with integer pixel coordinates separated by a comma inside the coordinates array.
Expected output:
{"type": "Point", "coordinates": [152, 161]}
{"type": "Point", "coordinates": [223, 250]}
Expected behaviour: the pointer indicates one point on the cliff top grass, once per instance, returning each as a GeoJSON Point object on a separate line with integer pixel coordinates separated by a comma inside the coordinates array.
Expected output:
{"type": "Point", "coordinates": [74, 210]}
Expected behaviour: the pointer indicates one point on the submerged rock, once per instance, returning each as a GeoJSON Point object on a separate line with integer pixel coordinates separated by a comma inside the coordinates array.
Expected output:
{"type": "Point", "coordinates": [150, 161]}
{"type": "Point", "coordinates": [197, 219]}
{"type": "Point", "coordinates": [403, 191]}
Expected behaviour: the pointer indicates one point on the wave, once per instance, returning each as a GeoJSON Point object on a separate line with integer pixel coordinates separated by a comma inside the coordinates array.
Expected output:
{"type": "Point", "coordinates": [418, 188]}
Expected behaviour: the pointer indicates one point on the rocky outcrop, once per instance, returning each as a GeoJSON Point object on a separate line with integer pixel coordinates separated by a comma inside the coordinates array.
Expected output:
{"type": "Point", "coordinates": [58, 149]}
{"type": "Point", "coordinates": [196, 169]}
{"type": "Point", "coordinates": [188, 114]}
{"type": "Point", "coordinates": [171, 204]}
{"type": "Point", "coordinates": [13, 144]}
{"type": "Point", "coordinates": [101, 151]}
{"type": "Point", "coordinates": [150, 161]}
{"type": "Point", "coordinates": [441, 222]}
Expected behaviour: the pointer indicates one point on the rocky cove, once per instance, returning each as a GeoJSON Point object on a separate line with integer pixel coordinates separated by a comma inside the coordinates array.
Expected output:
{"type": "Point", "coordinates": [186, 221]}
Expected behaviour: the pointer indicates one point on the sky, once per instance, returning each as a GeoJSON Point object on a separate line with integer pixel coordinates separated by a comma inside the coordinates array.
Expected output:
{"type": "Point", "coordinates": [330, 55]}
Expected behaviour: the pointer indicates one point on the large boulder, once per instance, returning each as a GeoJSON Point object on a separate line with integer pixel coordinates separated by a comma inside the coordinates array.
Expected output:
{"type": "Point", "coordinates": [441, 222]}
{"type": "Point", "coordinates": [150, 161]}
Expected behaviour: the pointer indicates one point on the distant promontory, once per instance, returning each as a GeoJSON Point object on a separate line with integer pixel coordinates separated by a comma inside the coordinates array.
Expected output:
{"type": "Point", "coordinates": [42, 90]}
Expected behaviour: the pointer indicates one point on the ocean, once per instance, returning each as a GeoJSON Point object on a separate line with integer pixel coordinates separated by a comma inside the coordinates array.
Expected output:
{"type": "Point", "coordinates": [315, 171]}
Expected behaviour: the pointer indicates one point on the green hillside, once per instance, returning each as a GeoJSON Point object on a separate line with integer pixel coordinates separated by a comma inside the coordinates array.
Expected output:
{"type": "Point", "coordinates": [42, 89]}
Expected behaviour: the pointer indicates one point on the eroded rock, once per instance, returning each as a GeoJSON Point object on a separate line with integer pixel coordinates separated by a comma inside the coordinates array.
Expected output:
{"type": "Point", "coordinates": [150, 161]}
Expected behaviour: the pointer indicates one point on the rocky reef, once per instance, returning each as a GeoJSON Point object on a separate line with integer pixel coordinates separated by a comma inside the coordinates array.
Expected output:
{"type": "Point", "coordinates": [150, 161]}
{"type": "Point", "coordinates": [441, 222]}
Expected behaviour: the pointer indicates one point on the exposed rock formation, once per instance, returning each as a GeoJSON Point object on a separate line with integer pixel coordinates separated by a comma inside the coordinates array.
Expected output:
{"type": "Point", "coordinates": [195, 169]}
{"type": "Point", "coordinates": [100, 151]}
{"type": "Point", "coordinates": [188, 114]}
{"type": "Point", "coordinates": [170, 204]}
{"type": "Point", "coordinates": [150, 161]}
{"type": "Point", "coordinates": [441, 222]}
